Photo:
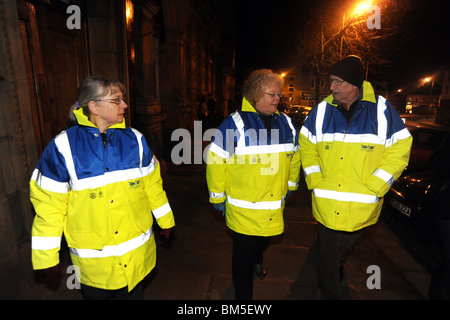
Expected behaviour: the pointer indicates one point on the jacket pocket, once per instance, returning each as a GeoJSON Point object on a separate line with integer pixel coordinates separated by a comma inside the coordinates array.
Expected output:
{"type": "Point", "coordinates": [85, 239]}
{"type": "Point", "coordinates": [144, 222]}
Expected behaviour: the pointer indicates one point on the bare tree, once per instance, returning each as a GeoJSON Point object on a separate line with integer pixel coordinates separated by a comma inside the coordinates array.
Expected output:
{"type": "Point", "coordinates": [323, 44]}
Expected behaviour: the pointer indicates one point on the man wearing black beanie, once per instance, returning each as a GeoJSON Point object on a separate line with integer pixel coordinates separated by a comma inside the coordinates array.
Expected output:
{"type": "Point", "coordinates": [346, 80]}
{"type": "Point", "coordinates": [353, 146]}
{"type": "Point", "coordinates": [349, 69]}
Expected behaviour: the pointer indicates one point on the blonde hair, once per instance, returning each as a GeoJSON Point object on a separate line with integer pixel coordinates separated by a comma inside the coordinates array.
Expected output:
{"type": "Point", "coordinates": [253, 86]}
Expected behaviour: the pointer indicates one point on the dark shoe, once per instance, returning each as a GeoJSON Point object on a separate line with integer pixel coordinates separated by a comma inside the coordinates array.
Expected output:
{"type": "Point", "coordinates": [260, 271]}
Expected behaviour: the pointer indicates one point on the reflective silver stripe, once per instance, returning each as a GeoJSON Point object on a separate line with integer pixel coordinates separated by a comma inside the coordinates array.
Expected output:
{"type": "Point", "coordinates": [264, 149]}
{"type": "Point", "coordinates": [312, 169]}
{"type": "Point", "coordinates": [379, 138]}
{"type": "Point", "coordinates": [148, 169]}
{"type": "Point", "coordinates": [241, 147]}
{"type": "Point", "coordinates": [162, 211]}
{"type": "Point", "coordinates": [214, 148]}
{"type": "Point", "coordinates": [107, 178]}
{"type": "Point", "coordinates": [308, 134]}
{"type": "Point", "coordinates": [62, 142]}
{"type": "Point", "coordinates": [49, 184]}
{"type": "Point", "coordinates": [400, 135]}
{"type": "Point", "coordinates": [262, 205]}
{"type": "Point", "coordinates": [345, 196]}
{"type": "Point", "coordinates": [63, 145]}
{"type": "Point", "coordinates": [45, 243]}
{"type": "Point", "coordinates": [321, 108]}
{"type": "Point", "coordinates": [141, 149]}
{"type": "Point", "coordinates": [292, 184]}
{"type": "Point", "coordinates": [240, 128]}
{"type": "Point", "coordinates": [215, 195]}
{"type": "Point", "coordinates": [115, 250]}
{"type": "Point", "coordinates": [351, 138]}
{"type": "Point", "coordinates": [385, 176]}
{"type": "Point", "coordinates": [382, 121]}
{"type": "Point", "coordinates": [294, 131]}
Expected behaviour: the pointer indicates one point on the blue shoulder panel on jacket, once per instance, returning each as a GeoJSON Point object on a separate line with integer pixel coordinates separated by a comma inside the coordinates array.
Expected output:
{"type": "Point", "coordinates": [91, 158]}
{"type": "Point", "coordinates": [52, 164]}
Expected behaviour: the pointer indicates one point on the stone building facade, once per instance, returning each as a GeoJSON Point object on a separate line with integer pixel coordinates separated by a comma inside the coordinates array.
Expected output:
{"type": "Point", "coordinates": [168, 53]}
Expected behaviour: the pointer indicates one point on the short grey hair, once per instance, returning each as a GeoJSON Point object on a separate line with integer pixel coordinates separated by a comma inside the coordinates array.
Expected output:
{"type": "Point", "coordinates": [253, 86]}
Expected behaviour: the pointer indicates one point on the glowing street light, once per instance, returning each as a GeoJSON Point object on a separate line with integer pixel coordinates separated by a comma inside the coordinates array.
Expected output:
{"type": "Point", "coordinates": [360, 10]}
{"type": "Point", "coordinates": [429, 79]}
{"type": "Point", "coordinates": [362, 7]}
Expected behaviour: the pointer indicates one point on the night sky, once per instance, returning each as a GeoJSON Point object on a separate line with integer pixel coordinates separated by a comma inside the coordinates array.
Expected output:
{"type": "Point", "coordinates": [267, 30]}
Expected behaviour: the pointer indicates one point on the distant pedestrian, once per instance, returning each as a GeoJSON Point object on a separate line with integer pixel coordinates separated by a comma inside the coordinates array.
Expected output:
{"type": "Point", "coordinates": [204, 113]}
{"type": "Point", "coordinates": [211, 104]}
{"type": "Point", "coordinates": [353, 146]}
{"type": "Point", "coordinates": [99, 183]}
{"type": "Point", "coordinates": [253, 164]}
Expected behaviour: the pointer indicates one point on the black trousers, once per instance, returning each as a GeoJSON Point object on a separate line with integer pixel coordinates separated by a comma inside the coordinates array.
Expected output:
{"type": "Point", "coordinates": [333, 247]}
{"type": "Point", "coordinates": [440, 281]}
{"type": "Point", "coordinates": [92, 293]}
{"type": "Point", "coordinates": [247, 251]}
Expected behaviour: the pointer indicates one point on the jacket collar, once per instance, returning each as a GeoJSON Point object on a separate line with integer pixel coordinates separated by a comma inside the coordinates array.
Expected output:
{"type": "Point", "coordinates": [247, 106]}
{"type": "Point", "coordinates": [368, 94]}
{"type": "Point", "coordinates": [83, 120]}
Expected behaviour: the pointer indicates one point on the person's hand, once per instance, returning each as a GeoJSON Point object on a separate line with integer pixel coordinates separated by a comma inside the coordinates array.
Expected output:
{"type": "Point", "coordinates": [166, 232]}
{"type": "Point", "coordinates": [50, 276]}
{"type": "Point", "coordinates": [219, 207]}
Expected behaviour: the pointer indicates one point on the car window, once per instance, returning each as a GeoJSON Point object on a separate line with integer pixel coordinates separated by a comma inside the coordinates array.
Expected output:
{"type": "Point", "coordinates": [426, 139]}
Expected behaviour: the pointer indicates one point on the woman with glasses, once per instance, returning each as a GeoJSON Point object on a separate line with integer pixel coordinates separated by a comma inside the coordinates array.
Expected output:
{"type": "Point", "coordinates": [253, 161]}
{"type": "Point", "coordinates": [99, 184]}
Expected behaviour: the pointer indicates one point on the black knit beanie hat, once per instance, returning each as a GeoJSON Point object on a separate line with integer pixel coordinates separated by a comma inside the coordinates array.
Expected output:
{"type": "Point", "coordinates": [349, 69]}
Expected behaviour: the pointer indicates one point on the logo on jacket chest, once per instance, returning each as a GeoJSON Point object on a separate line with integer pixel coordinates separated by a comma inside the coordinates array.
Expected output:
{"type": "Point", "coordinates": [94, 195]}
{"type": "Point", "coordinates": [134, 184]}
{"type": "Point", "coordinates": [367, 147]}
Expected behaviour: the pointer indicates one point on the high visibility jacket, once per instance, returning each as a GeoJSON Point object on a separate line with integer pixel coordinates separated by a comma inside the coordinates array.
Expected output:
{"type": "Point", "coordinates": [101, 196]}
{"type": "Point", "coordinates": [349, 166]}
{"type": "Point", "coordinates": [252, 171]}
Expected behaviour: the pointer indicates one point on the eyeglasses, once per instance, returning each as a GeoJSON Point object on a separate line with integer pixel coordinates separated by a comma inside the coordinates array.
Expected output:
{"type": "Point", "coordinates": [336, 82]}
{"type": "Point", "coordinates": [115, 100]}
{"type": "Point", "coordinates": [273, 95]}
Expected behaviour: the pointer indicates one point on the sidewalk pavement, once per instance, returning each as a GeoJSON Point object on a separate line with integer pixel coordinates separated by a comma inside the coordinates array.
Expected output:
{"type": "Point", "coordinates": [195, 264]}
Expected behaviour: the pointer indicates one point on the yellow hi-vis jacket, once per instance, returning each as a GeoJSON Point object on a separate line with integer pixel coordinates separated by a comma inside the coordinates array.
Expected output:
{"type": "Point", "coordinates": [101, 197]}
{"type": "Point", "coordinates": [252, 171]}
{"type": "Point", "coordinates": [349, 166]}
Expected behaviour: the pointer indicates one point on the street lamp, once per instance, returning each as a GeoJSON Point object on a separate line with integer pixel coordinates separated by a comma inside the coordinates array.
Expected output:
{"type": "Point", "coordinates": [428, 79]}
{"type": "Point", "coordinates": [360, 9]}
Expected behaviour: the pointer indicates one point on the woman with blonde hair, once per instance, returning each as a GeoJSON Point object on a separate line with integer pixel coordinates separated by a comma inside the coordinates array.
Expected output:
{"type": "Point", "coordinates": [253, 163]}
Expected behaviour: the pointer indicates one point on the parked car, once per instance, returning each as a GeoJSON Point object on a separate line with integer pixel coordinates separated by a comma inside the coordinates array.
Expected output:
{"type": "Point", "coordinates": [283, 107]}
{"type": "Point", "coordinates": [425, 142]}
{"type": "Point", "coordinates": [298, 114]}
{"type": "Point", "coordinates": [407, 200]}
